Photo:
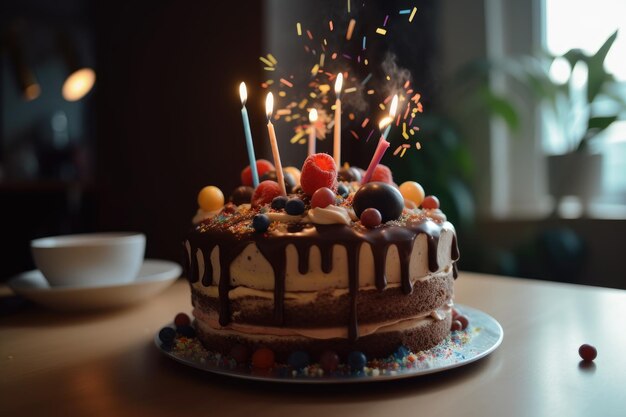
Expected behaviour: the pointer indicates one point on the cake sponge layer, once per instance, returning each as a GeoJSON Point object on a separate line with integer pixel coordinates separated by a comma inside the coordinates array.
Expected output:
{"type": "Point", "coordinates": [424, 335]}
{"type": "Point", "coordinates": [332, 308]}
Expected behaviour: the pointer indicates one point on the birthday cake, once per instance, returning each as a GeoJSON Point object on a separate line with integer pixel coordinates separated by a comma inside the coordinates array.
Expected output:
{"type": "Point", "coordinates": [334, 265]}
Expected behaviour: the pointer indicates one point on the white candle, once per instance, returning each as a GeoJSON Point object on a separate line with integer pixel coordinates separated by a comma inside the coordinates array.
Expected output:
{"type": "Point", "coordinates": [337, 136]}
{"type": "Point", "coordinates": [392, 114]}
{"type": "Point", "coordinates": [312, 138]}
{"type": "Point", "coordinates": [280, 177]}
{"type": "Point", "coordinates": [243, 94]}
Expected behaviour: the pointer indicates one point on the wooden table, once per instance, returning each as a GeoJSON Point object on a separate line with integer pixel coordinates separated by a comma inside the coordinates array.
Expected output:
{"type": "Point", "coordinates": [105, 364]}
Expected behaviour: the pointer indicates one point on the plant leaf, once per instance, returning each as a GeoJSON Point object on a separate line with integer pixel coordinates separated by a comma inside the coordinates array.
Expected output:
{"type": "Point", "coordinates": [595, 63]}
{"type": "Point", "coordinates": [600, 123]}
{"type": "Point", "coordinates": [503, 108]}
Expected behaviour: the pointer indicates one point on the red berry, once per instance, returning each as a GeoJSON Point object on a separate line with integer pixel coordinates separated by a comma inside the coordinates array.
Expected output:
{"type": "Point", "coordinates": [587, 352]}
{"type": "Point", "coordinates": [262, 166]}
{"type": "Point", "coordinates": [322, 197]}
{"type": "Point", "coordinates": [463, 320]}
{"type": "Point", "coordinates": [318, 171]}
{"type": "Point", "coordinates": [265, 193]}
{"type": "Point", "coordinates": [263, 358]}
{"type": "Point", "coordinates": [455, 313]}
{"type": "Point", "coordinates": [371, 218]}
{"type": "Point", "coordinates": [329, 361]}
{"type": "Point", "coordinates": [182, 319]}
{"type": "Point", "coordinates": [382, 173]}
{"type": "Point", "coordinates": [430, 202]}
{"type": "Point", "coordinates": [456, 326]}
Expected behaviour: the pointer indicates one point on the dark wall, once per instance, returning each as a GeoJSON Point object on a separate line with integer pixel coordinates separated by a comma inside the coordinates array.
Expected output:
{"type": "Point", "coordinates": [168, 111]}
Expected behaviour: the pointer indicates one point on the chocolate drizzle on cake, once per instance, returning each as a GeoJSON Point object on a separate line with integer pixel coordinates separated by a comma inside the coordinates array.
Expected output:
{"type": "Point", "coordinates": [273, 246]}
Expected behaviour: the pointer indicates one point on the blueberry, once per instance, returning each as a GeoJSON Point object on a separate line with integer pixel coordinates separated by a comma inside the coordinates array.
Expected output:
{"type": "Point", "coordinates": [381, 196]}
{"type": "Point", "coordinates": [299, 359]}
{"type": "Point", "coordinates": [242, 195]}
{"type": "Point", "coordinates": [167, 346]}
{"type": "Point", "coordinates": [260, 223]}
{"type": "Point", "coordinates": [187, 331]}
{"type": "Point", "coordinates": [294, 206]}
{"type": "Point", "coordinates": [401, 352]}
{"type": "Point", "coordinates": [167, 335]}
{"type": "Point", "coordinates": [343, 190]}
{"type": "Point", "coordinates": [357, 361]}
{"type": "Point", "coordinates": [278, 203]}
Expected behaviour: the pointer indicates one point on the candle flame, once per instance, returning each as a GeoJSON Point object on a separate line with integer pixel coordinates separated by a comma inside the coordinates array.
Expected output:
{"type": "Point", "coordinates": [313, 115]}
{"type": "Point", "coordinates": [338, 84]}
{"type": "Point", "coordinates": [269, 105]}
{"type": "Point", "coordinates": [385, 122]}
{"type": "Point", "coordinates": [243, 93]}
{"type": "Point", "coordinates": [394, 107]}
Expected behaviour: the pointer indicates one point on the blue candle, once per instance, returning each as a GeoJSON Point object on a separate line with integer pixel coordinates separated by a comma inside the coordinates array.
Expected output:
{"type": "Point", "coordinates": [243, 93]}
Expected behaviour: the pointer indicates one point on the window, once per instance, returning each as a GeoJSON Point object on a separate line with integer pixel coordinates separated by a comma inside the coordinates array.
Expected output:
{"type": "Point", "coordinates": [572, 24]}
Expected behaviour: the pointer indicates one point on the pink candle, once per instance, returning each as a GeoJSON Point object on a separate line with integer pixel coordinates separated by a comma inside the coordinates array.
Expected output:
{"type": "Point", "coordinates": [280, 177]}
{"type": "Point", "coordinates": [381, 148]}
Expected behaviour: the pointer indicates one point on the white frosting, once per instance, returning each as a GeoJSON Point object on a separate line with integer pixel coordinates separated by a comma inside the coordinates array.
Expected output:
{"type": "Point", "coordinates": [303, 297]}
{"type": "Point", "coordinates": [328, 215]}
{"type": "Point", "coordinates": [251, 269]}
{"type": "Point", "coordinates": [284, 217]}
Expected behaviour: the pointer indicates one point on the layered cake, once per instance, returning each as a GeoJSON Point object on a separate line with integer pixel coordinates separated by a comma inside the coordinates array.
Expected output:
{"type": "Point", "coordinates": [335, 265]}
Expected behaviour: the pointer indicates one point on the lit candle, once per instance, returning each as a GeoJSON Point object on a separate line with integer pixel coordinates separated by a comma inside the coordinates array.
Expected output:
{"type": "Point", "coordinates": [380, 151]}
{"type": "Point", "coordinates": [280, 177]}
{"type": "Point", "coordinates": [392, 113]}
{"type": "Point", "coordinates": [312, 119]}
{"type": "Point", "coordinates": [337, 142]}
{"type": "Point", "coordinates": [243, 93]}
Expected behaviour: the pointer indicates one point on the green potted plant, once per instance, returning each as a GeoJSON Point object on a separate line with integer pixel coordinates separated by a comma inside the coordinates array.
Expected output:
{"type": "Point", "coordinates": [580, 106]}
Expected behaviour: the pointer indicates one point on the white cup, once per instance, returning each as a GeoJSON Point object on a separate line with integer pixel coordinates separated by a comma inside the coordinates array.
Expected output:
{"type": "Point", "coordinates": [90, 259]}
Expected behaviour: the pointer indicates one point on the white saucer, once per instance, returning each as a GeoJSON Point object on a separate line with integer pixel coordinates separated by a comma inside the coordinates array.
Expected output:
{"type": "Point", "coordinates": [154, 276]}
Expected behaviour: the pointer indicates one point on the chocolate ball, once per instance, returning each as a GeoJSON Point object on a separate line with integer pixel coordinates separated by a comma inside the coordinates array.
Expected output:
{"type": "Point", "coordinates": [242, 195]}
{"type": "Point", "coordinates": [379, 195]}
{"type": "Point", "coordinates": [349, 174]}
{"type": "Point", "coordinates": [290, 182]}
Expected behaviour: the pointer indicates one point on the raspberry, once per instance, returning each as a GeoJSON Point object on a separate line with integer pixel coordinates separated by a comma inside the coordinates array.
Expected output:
{"type": "Point", "coordinates": [318, 171]}
{"type": "Point", "coordinates": [262, 166]}
{"type": "Point", "coordinates": [265, 193]}
{"type": "Point", "coordinates": [382, 173]}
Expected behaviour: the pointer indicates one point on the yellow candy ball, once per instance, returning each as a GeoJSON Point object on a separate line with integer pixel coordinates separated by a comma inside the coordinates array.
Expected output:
{"type": "Point", "coordinates": [412, 192]}
{"type": "Point", "coordinates": [210, 198]}
{"type": "Point", "coordinates": [294, 172]}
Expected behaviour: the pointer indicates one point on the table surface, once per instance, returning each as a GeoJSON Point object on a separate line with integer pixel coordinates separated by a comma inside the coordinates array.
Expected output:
{"type": "Point", "coordinates": [105, 364]}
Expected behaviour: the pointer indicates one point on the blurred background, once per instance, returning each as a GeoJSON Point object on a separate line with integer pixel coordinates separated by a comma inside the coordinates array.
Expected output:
{"type": "Point", "coordinates": [113, 115]}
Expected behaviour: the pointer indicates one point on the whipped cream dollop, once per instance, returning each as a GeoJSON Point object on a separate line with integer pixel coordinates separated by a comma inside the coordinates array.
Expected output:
{"type": "Point", "coordinates": [328, 215]}
{"type": "Point", "coordinates": [284, 217]}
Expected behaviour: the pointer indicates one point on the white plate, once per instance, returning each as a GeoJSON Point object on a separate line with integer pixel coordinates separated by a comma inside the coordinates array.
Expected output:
{"type": "Point", "coordinates": [154, 276]}
{"type": "Point", "coordinates": [483, 335]}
